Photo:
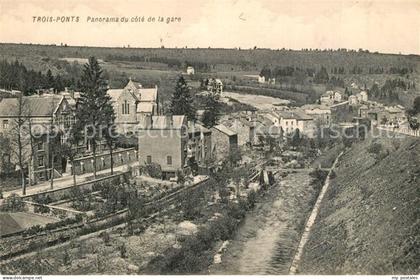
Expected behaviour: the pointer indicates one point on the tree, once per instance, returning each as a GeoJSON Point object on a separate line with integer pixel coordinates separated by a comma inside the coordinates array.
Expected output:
{"type": "Point", "coordinates": [239, 177]}
{"type": "Point", "coordinates": [414, 123]}
{"type": "Point", "coordinates": [49, 80]}
{"type": "Point", "coordinates": [212, 110]}
{"type": "Point", "coordinates": [110, 134]}
{"type": "Point", "coordinates": [180, 177]}
{"type": "Point", "coordinates": [416, 107]}
{"type": "Point", "coordinates": [5, 150]}
{"type": "Point", "coordinates": [19, 138]}
{"type": "Point", "coordinates": [296, 139]}
{"type": "Point", "coordinates": [182, 101]}
{"type": "Point", "coordinates": [69, 148]}
{"type": "Point", "coordinates": [321, 76]}
{"type": "Point", "coordinates": [94, 105]}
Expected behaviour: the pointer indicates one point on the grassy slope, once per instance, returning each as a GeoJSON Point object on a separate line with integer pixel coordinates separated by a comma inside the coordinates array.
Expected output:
{"type": "Point", "coordinates": [368, 222]}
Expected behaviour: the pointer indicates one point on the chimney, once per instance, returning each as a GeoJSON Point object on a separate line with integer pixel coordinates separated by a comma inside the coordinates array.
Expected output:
{"type": "Point", "coordinates": [147, 121]}
{"type": "Point", "coordinates": [168, 121]}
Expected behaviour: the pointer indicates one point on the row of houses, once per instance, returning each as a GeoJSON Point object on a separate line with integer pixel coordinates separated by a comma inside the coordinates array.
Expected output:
{"type": "Point", "coordinates": [332, 97]}
{"type": "Point", "coordinates": [175, 143]}
{"type": "Point", "coordinates": [383, 115]}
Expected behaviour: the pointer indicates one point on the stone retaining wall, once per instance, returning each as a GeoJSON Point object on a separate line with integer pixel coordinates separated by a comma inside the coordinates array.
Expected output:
{"type": "Point", "coordinates": [103, 160]}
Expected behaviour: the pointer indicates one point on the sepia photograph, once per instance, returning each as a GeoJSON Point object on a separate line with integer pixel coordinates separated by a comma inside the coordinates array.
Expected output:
{"type": "Point", "coordinates": [225, 138]}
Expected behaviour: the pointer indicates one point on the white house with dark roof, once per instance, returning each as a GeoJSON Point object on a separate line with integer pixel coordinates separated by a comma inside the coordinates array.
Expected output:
{"type": "Point", "coordinates": [291, 120]}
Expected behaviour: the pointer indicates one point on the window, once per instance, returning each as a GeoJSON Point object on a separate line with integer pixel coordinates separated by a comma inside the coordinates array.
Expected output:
{"type": "Point", "coordinates": [287, 123]}
{"type": "Point", "coordinates": [40, 146]}
{"type": "Point", "coordinates": [40, 160]}
{"type": "Point", "coordinates": [5, 124]}
{"type": "Point", "coordinates": [149, 159]}
{"type": "Point", "coordinates": [169, 160]}
{"type": "Point", "coordinates": [125, 108]}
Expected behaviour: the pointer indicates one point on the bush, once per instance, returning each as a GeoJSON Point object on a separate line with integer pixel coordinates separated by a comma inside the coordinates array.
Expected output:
{"type": "Point", "coordinates": [154, 170]}
{"type": "Point", "coordinates": [13, 203]}
{"type": "Point", "coordinates": [375, 149]}
{"type": "Point", "coordinates": [318, 178]}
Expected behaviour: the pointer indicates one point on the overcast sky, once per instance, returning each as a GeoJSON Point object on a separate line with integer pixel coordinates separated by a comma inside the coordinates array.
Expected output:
{"type": "Point", "coordinates": [378, 25]}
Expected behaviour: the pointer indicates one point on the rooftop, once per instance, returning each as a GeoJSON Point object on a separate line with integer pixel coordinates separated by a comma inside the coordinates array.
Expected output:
{"type": "Point", "coordinates": [39, 106]}
{"type": "Point", "coordinates": [224, 129]}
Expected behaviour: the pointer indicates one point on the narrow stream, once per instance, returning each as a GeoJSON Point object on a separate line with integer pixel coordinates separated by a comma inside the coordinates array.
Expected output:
{"type": "Point", "coordinates": [268, 237]}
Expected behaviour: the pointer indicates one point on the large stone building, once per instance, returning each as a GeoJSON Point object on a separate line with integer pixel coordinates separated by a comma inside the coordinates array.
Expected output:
{"type": "Point", "coordinates": [243, 128]}
{"type": "Point", "coordinates": [163, 140]}
{"type": "Point", "coordinates": [224, 141]}
{"type": "Point", "coordinates": [320, 113]}
{"type": "Point", "coordinates": [132, 104]}
{"type": "Point", "coordinates": [45, 120]}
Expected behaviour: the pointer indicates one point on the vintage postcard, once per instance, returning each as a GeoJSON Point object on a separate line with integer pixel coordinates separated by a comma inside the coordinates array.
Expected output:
{"type": "Point", "coordinates": [194, 137]}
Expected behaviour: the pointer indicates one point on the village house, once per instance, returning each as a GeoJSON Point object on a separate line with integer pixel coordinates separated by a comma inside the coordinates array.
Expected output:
{"type": "Point", "coordinates": [353, 100]}
{"type": "Point", "coordinates": [190, 70]}
{"type": "Point", "coordinates": [243, 128]}
{"type": "Point", "coordinates": [395, 114]}
{"type": "Point", "coordinates": [71, 96]}
{"type": "Point", "coordinates": [292, 120]}
{"type": "Point", "coordinates": [163, 140]}
{"type": "Point", "coordinates": [330, 97]}
{"type": "Point", "coordinates": [43, 117]}
{"type": "Point", "coordinates": [199, 145]}
{"type": "Point", "coordinates": [264, 80]}
{"type": "Point", "coordinates": [362, 96]}
{"type": "Point", "coordinates": [265, 128]}
{"type": "Point", "coordinates": [132, 104]}
{"type": "Point", "coordinates": [224, 141]}
{"type": "Point", "coordinates": [215, 86]}
{"type": "Point", "coordinates": [320, 113]}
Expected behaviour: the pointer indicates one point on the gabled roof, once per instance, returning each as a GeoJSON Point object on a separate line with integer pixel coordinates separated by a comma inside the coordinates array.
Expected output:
{"type": "Point", "coordinates": [394, 110]}
{"type": "Point", "coordinates": [224, 129]}
{"type": "Point", "coordinates": [36, 106]}
{"type": "Point", "coordinates": [141, 94]}
{"type": "Point", "coordinates": [196, 127]}
{"type": "Point", "coordinates": [144, 107]}
{"type": "Point", "coordinates": [147, 94]}
{"type": "Point", "coordinates": [115, 94]}
{"type": "Point", "coordinates": [133, 84]}
{"type": "Point", "coordinates": [296, 114]}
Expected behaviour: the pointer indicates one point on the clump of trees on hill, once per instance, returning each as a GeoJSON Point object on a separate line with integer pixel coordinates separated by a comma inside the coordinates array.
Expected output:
{"type": "Point", "coordinates": [16, 76]}
{"type": "Point", "coordinates": [390, 90]}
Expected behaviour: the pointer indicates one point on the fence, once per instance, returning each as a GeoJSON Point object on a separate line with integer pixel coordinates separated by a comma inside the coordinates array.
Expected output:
{"type": "Point", "coordinates": [401, 130]}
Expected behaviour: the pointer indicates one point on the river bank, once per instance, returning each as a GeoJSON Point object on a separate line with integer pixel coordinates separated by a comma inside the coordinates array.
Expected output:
{"type": "Point", "coordinates": [267, 239]}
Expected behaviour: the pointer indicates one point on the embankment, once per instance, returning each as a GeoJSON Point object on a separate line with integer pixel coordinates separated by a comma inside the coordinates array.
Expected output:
{"type": "Point", "coordinates": [368, 221]}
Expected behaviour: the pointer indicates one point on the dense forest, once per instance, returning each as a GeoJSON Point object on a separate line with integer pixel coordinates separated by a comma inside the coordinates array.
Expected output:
{"type": "Point", "coordinates": [207, 59]}
{"type": "Point", "coordinates": [16, 76]}
{"type": "Point", "coordinates": [389, 77]}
